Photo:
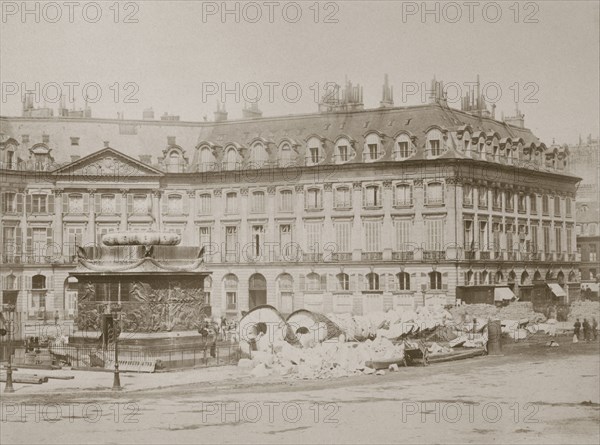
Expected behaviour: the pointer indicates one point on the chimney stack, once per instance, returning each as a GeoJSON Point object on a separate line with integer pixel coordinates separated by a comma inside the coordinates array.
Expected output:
{"type": "Point", "coordinates": [387, 98]}
{"type": "Point", "coordinates": [148, 114]}
{"type": "Point", "coordinates": [252, 112]}
{"type": "Point", "coordinates": [221, 113]}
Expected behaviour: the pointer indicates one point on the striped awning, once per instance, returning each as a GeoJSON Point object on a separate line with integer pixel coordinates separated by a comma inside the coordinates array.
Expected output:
{"type": "Point", "coordinates": [557, 290]}
{"type": "Point", "coordinates": [503, 294]}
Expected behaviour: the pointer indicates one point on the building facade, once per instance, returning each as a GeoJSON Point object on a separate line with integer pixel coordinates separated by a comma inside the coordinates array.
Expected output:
{"type": "Point", "coordinates": [347, 210]}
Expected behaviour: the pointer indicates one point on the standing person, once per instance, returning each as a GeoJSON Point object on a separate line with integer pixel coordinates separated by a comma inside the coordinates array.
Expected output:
{"type": "Point", "coordinates": [223, 327]}
{"type": "Point", "coordinates": [577, 327]}
{"type": "Point", "coordinates": [586, 330]}
{"type": "Point", "coordinates": [594, 328]}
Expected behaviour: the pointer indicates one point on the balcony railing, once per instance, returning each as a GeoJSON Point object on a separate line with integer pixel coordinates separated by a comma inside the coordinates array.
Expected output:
{"type": "Point", "coordinates": [345, 256]}
{"type": "Point", "coordinates": [312, 257]}
{"type": "Point", "coordinates": [434, 255]}
{"type": "Point", "coordinates": [372, 256]}
{"type": "Point", "coordinates": [403, 256]}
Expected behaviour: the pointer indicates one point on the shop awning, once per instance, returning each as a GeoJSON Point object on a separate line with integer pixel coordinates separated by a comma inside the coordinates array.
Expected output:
{"type": "Point", "coordinates": [557, 290]}
{"type": "Point", "coordinates": [503, 294]}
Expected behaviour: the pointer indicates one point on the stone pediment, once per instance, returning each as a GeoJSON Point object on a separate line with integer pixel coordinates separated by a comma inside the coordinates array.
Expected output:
{"type": "Point", "coordinates": [108, 163]}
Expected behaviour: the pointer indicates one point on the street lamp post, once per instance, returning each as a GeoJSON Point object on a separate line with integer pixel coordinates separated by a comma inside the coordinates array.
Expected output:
{"type": "Point", "coordinates": [9, 379]}
{"type": "Point", "coordinates": [116, 378]}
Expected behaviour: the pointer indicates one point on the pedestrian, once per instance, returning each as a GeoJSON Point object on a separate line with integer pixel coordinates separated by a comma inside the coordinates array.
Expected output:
{"type": "Point", "coordinates": [56, 317]}
{"type": "Point", "coordinates": [577, 327]}
{"type": "Point", "coordinates": [594, 328]}
{"type": "Point", "coordinates": [223, 327]}
{"type": "Point", "coordinates": [586, 330]}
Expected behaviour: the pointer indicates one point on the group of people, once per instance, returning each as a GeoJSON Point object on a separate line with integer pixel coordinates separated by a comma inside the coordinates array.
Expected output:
{"type": "Point", "coordinates": [589, 331]}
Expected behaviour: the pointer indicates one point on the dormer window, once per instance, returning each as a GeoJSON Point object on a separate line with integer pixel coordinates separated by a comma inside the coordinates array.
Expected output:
{"type": "Point", "coordinates": [231, 159]}
{"type": "Point", "coordinates": [467, 141]}
{"type": "Point", "coordinates": [372, 148]}
{"type": "Point", "coordinates": [174, 160]}
{"type": "Point", "coordinates": [206, 159]}
{"type": "Point", "coordinates": [403, 147]}
{"type": "Point", "coordinates": [258, 156]}
{"type": "Point", "coordinates": [434, 142]}
{"type": "Point", "coordinates": [314, 153]}
{"type": "Point", "coordinates": [344, 151]}
{"type": "Point", "coordinates": [285, 155]}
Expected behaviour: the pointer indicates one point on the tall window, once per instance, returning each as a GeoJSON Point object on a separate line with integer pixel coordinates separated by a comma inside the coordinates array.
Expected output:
{"type": "Point", "coordinates": [313, 155]}
{"type": "Point", "coordinates": [593, 253]}
{"type": "Point", "coordinates": [568, 206]}
{"type": "Point", "coordinates": [558, 238]}
{"type": "Point", "coordinates": [258, 156]}
{"type": "Point", "coordinates": [343, 233]}
{"type": "Point", "coordinates": [533, 203]}
{"type": "Point", "coordinates": [286, 203]}
{"type": "Point", "coordinates": [313, 236]}
{"type": "Point", "coordinates": [467, 195]}
{"type": "Point", "coordinates": [545, 205]}
{"type": "Point", "coordinates": [482, 197]}
{"type": "Point", "coordinates": [9, 204]}
{"type": "Point", "coordinates": [469, 238]}
{"type": "Point", "coordinates": [497, 199]}
{"type": "Point", "coordinates": [556, 206]}
{"type": "Point", "coordinates": [496, 230]}
{"type": "Point", "coordinates": [313, 199]}
{"type": "Point", "coordinates": [434, 142]}
{"type": "Point", "coordinates": [231, 242]}
{"type": "Point", "coordinates": [175, 205]}
{"type": "Point", "coordinates": [258, 202]}
{"type": "Point", "coordinates": [372, 281]}
{"type": "Point", "coordinates": [285, 242]}
{"type": "Point", "coordinates": [204, 204]}
{"type": "Point", "coordinates": [313, 282]}
{"type": "Point", "coordinates": [510, 199]}
{"type": "Point", "coordinates": [435, 234]}
{"type": "Point", "coordinates": [372, 196]}
{"type": "Point", "coordinates": [483, 235]}
{"type": "Point", "coordinates": [547, 247]}
{"type": "Point", "coordinates": [108, 204]}
{"type": "Point", "coordinates": [569, 240]}
{"type": "Point", "coordinates": [403, 144]}
{"type": "Point", "coordinates": [403, 239]}
{"type": "Point", "coordinates": [435, 280]}
{"type": "Point", "coordinates": [231, 203]}
{"type": "Point", "coordinates": [230, 284]}
{"type": "Point", "coordinates": [403, 280]}
{"type": "Point", "coordinates": [75, 204]}
{"type": "Point", "coordinates": [343, 281]}
{"type": "Point", "coordinates": [435, 193]}
{"type": "Point", "coordinates": [372, 236]}
{"type": "Point", "coordinates": [522, 206]}
{"type": "Point", "coordinates": [258, 234]}
{"type": "Point", "coordinates": [509, 237]}
{"type": "Point", "coordinates": [342, 198]}
{"type": "Point", "coordinates": [534, 239]}
{"type": "Point", "coordinates": [372, 144]}
{"type": "Point", "coordinates": [205, 238]}
{"type": "Point", "coordinates": [342, 151]}
{"type": "Point", "coordinates": [403, 196]}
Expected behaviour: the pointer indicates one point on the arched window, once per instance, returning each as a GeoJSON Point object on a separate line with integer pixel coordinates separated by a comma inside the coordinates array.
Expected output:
{"type": "Point", "coordinates": [10, 282]}
{"type": "Point", "coordinates": [560, 277]}
{"type": "Point", "coordinates": [499, 277]}
{"type": "Point", "coordinates": [174, 162]}
{"type": "Point", "coordinates": [434, 142]}
{"type": "Point", "coordinates": [313, 282]}
{"type": "Point", "coordinates": [372, 281]}
{"type": "Point", "coordinates": [231, 159]}
{"type": "Point", "coordinates": [484, 277]}
{"type": "Point", "coordinates": [285, 155]}
{"type": "Point", "coordinates": [403, 196]}
{"type": "Point", "coordinates": [285, 287]}
{"type": "Point", "coordinates": [403, 147]}
{"type": "Point", "coordinates": [469, 278]}
{"type": "Point", "coordinates": [343, 281]}
{"type": "Point", "coordinates": [206, 159]}
{"type": "Point", "coordinates": [435, 280]}
{"type": "Point", "coordinates": [524, 277]}
{"type": "Point", "coordinates": [38, 282]}
{"type": "Point", "coordinates": [230, 286]}
{"type": "Point", "coordinates": [258, 156]}
{"type": "Point", "coordinates": [403, 280]}
{"type": "Point", "coordinates": [537, 276]}
{"type": "Point", "coordinates": [373, 150]}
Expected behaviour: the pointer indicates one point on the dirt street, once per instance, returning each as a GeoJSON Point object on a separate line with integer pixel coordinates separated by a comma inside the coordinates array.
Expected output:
{"type": "Point", "coordinates": [533, 394]}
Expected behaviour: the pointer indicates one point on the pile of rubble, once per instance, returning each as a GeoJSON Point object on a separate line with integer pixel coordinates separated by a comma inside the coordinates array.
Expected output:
{"type": "Point", "coordinates": [520, 310]}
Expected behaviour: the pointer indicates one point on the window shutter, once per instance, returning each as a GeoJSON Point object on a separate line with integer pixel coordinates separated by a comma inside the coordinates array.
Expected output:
{"type": "Point", "coordinates": [86, 203]}
{"type": "Point", "coordinates": [149, 202]}
{"type": "Point", "coordinates": [27, 282]}
{"type": "Point", "coordinates": [19, 240]}
{"type": "Point", "coordinates": [425, 193]}
{"type": "Point", "coordinates": [19, 282]}
{"type": "Point", "coordinates": [410, 190]}
{"type": "Point", "coordinates": [129, 204]}
{"type": "Point", "coordinates": [445, 281]}
{"type": "Point", "coordinates": [413, 280]}
{"type": "Point", "coordinates": [364, 196]}
{"type": "Point", "coordinates": [2, 200]}
{"type": "Point", "coordinates": [198, 205]}
{"type": "Point", "coordinates": [424, 281]}
{"type": "Point", "coordinates": [331, 282]}
{"type": "Point", "coordinates": [49, 241]}
{"type": "Point", "coordinates": [97, 203]}
{"type": "Point", "coordinates": [65, 203]}
{"type": "Point", "coordinates": [20, 203]}
{"type": "Point", "coordinates": [50, 204]}
{"type": "Point", "coordinates": [118, 199]}
{"type": "Point", "coordinates": [2, 283]}
{"type": "Point", "coordinates": [443, 187]}
{"type": "Point", "coordinates": [29, 241]}
{"type": "Point", "coordinates": [324, 282]}
{"type": "Point", "coordinates": [165, 204]}
{"type": "Point", "coordinates": [302, 283]}
{"type": "Point", "coordinates": [28, 204]}
{"type": "Point", "coordinates": [391, 282]}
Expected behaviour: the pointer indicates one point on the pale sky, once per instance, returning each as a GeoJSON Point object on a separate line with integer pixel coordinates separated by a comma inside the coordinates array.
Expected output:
{"type": "Point", "coordinates": [171, 54]}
